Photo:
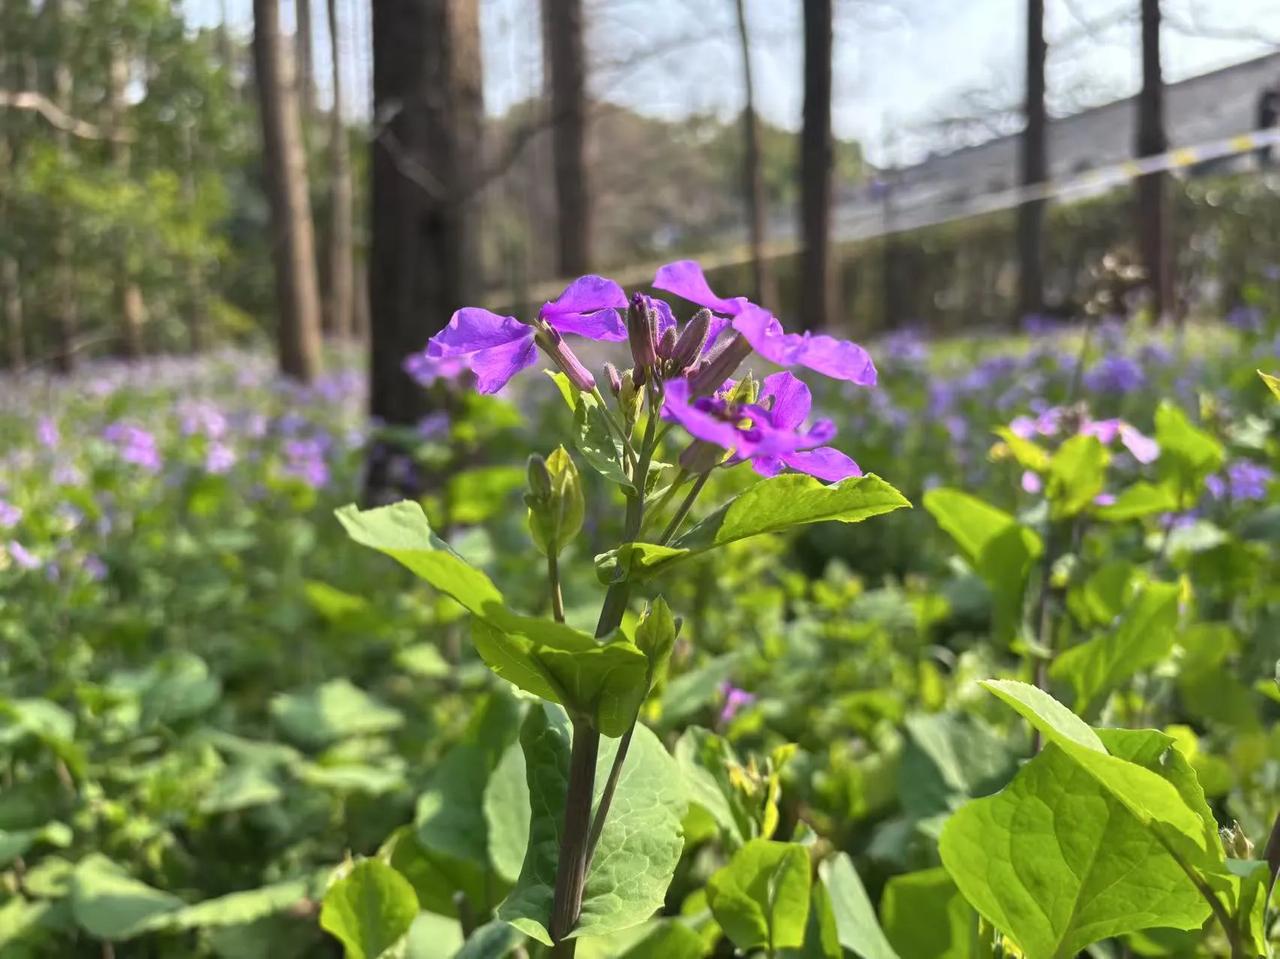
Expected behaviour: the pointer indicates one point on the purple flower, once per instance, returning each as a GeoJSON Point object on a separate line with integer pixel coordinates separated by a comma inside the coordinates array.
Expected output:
{"type": "Point", "coordinates": [1247, 319]}
{"type": "Point", "coordinates": [219, 458]}
{"type": "Point", "coordinates": [135, 445]}
{"type": "Point", "coordinates": [433, 425]}
{"type": "Point", "coordinates": [838, 359]}
{"type": "Point", "coordinates": [22, 557]}
{"type": "Point", "coordinates": [496, 348]}
{"type": "Point", "coordinates": [735, 700]}
{"type": "Point", "coordinates": [769, 433]}
{"type": "Point", "coordinates": [47, 432]}
{"type": "Point", "coordinates": [1245, 480]}
{"type": "Point", "coordinates": [9, 515]}
{"type": "Point", "coordinates": [305, 460]}
{"type": "Point", "coordinates": [1051, 421]}
{"type": "Point", "coordinates": [1114, 374]}
{"type": "Point", "coordinates": [95, 568]}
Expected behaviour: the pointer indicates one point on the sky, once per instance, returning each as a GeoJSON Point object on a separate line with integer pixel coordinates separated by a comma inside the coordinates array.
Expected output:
{"type": "Point", "coordinates": [899, 65]}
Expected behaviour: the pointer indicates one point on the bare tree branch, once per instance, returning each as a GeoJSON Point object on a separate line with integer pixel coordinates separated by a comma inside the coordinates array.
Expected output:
{"type": "Point", "coordinates": [39, 103]}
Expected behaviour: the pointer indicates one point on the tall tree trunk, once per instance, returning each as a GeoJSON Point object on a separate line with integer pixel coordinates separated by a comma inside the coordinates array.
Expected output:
{"type": "Point", "coordinates": [306, 60]}
{"type": "Point", "coordinates": [753, 177]}
{"type": "Point", "coordinates": [128, 294]}
{"type": "Point", "coordinates": [1035, 167]}
{"type": "Point", "coordinates": [297, 296]}
{"type": "Point", "coordinates": [197, 292]}
{"type": "Point", "coordinates": [341, 228]}
{"type": "Point", "coordinates": [64, 318]}
{"type": "Point", "coordinates": [817, 282]}
{"type": "Point", "coordinates": [563, 35]}
{"type": "Point", "coordinates": [10, 272]}
{"type": "Point", "coordinates": [1152, 192]}
{"type": "Point", "coordinates": [424, 260]}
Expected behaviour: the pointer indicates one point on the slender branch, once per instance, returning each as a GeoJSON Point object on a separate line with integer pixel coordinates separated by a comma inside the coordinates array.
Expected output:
{"type": "Point", "coordinates": [683, 510]}
{"type": "Point", "coordinates": [610, 786]}
{"type": "Point", "coordinates": [553, 583]}
{"type": "Point", "coordinates": [57, 117]}
{"type": "Point", "coordinates": [571, 868]}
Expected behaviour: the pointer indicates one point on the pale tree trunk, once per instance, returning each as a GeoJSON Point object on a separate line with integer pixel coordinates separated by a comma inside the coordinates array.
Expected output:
{"type": "Point", "coordinates": [1035, 167]}
{"type": "Point", "coordinates": [10, 272]}
{"type": "Point", "coordinates": [816, 155]}
{"type": "Point", "coordinates": [341, 228]}
{"type": "Point", "coordinates": [306, 75]}
{"type": "Point", "coordinates": [563, 35]}
{"type": "Point", "coordinates": [129, 300]}
{"type": "Point", "coordinates": [753, 176]}
{"type": "Point", "coordinates": [1152, 190]}
{"type": "Point", "coordinates": [424, 261]}
{"type": "Point", "coordinates": [297, 296]}
{"type": "Point", "coordinates": [64, 318]}
{"type": "Point", "coordinates": [197, 292]}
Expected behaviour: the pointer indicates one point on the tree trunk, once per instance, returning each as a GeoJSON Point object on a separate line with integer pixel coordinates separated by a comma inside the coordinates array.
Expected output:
{"type": "Point", "coordinates": [1152, 198]}
{"type": "Point", "coordinates": [562, 31]}
{"type": "Point", "coordinates": [753, 178]}
{"type": "Point", "coordinates": [424, 261]}
{"type": "Point", "coordinates": [1035, 168]}
{"type": "Point", "coordinates": [10, 272]}
{"type": "Point", "coordinates": [297, 296]}
{"type": "Point", "coordinates": [197, 293]}
{"type": "Point", "coordinates": [306, 74]}
{"type": "Point", "coordinates": [128, 294]}
{"type": "Point", "coordinates": [816, 278]}
{"type": "Point", "coordinates": [64, 318]}
{"type": "Point", "coordinates": [341, 228]}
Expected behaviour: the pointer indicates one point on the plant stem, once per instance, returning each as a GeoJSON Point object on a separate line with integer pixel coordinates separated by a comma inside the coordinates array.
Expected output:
{"type": "Point", "coordinates": [1044, 618]}
{"type": "Point", "coordinates": [610, 786]}
{"type": "Point", "coordinates": [1271, 853]}
{"type": "Point", "coordinates": [571, 869]}
{"type": "Point", "coordinates": [683, 510]}
{"type": "Point", "coordinates": [553, 582]}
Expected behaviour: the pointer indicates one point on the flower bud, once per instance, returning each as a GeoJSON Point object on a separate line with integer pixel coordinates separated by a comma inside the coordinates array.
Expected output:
{"type": "Point", "coordinates": [553, 344]}
{"type": "Point", "coordinates": [701, 457]}
{"type": "Point", "coordinates": [555, 501]}
{"type": "Point", "coordinates": [615, 381]}
{"type": "Point", "coordinates": [718, 367]}
{"type": "Point", "coordinates": [667, 345]}
{"type": "Point", "coordinates": [630, 397]}
{"type": "Point", "coordinates": [693, 337]}
{"type": "Point", "coordinates": [642, 335]}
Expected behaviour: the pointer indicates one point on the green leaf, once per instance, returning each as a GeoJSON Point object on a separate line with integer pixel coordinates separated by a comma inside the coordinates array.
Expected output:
{"type": "Point", "coordinates": [1140, 499]}
{"type": "Point", "coordinates": [770, 506]}
{"type": "Point", "coordinates": [438, 879]}
{"type": "Point", "coordinates": [1057, 862]}
{"type": "Point", "coordinates": [596, 440]}
{"type": "Point", "coordinates": [639, 846]}
{"type": "Point", "coordinates": [1027, 454]}
{"type": "Point", "coordinates": [1273, 383]}
{"type": "Point", "coordinates": [670, 939]}
{"type": "Point", "coordinates": [1150, 797]}
{"type": "Point", "coordinates": [1077, 474]}
{"type": "Point", "coordinates": [332, 711]}
{"type": "Point", "coordinates": [432, 936]}
{"type": "Point", "coordinates": [241, 907]}
{"type": "Point", "coordinates": [925, 917]}
{"type": "Point", "coordinates": [997, 546]}
{"type": "Point", "coordinates": [950, 757]}
{"type": "Point", "coordinates": [369, 910]}
{"type": "Point", "coordinates": [15, 843]}
{"type": "Point", "coordinates": [1187, 453]}
{"type": "Point", "coordinates": [450, 816]}
{"type": "Point", "coordinates": [242, 786]}
{"type": "Point", "coordinates": [856, 923]}
{"type": "Point", "coordinates": [110, 904]}
{"type": "Point", "coordinates": [761, 898]}
{"type": "Point", "coordinates": [506, 813]}
{"type": "Point", "coordinates": [476, 495]}
{"type": "Point", "coordinates": [493, 940]}
{"type": "Point", "coordinates": [1144, 636]}
{"type": "Point", "coordinates": [606, 683]}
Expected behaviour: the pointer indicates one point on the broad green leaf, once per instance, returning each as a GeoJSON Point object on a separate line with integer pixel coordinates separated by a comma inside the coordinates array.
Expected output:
{"type": "Point", "coordinates": [506, 813]}
{"type": "Point", "coordinates": [925, 917]}
{"type": "Point", "coordinates": [690, 692]}
{"type": "Point", "coordinates": [770, 506]}
{"type": "Point", "coordinates": [21, 923]}
{"type": "Point", "coordinates": [493, 940]}
{"type": "Point", "coordinates": [1028, 454]}
{"type": "Point", "coordinates": [606, 683]}
{"type": "Point", "coordinates": [856, 923]}
{"type": "Point", "coordinates": [369, 910]}
{"type": "Point", "coordinates": [761, 898]}
{"type": "Point", "coordinates": [1143, 637]}
{"type": "Point", "coordinates": [450, 816]}
{"type": "Point", "coordinates": [439, 879]}
{"type": "Point", "coordinates": [332, 711]}
{"type": "Point", "coordinates": [1273, 383]}
{"type": "Point", "coordinates": [476, 495]}
{"type": "Point", "coordinates": [1153, 800]}
{"type": "Point", "coordinates": [242, 786]}
{"type": "Point", "coordinates": [241, 907]}
{"type": "Point", "coordinates": [1244, 888]}
{"type": "Point", "coordinates": [1077, 473]}
{"type": "Point", "coordinates": [705, 761]}
{"type": "Point", "coordinates": [110, 904]}
{"type": "Point", "coordinates": [1140, 499]}
{"type": "Point", "coordinates": [1057, 862]}
{"type": "Point", "coordinates": [996, 545]}
{"type": "Point", "coordinates": [1187, 453]}
{"type": "Point", "coordinates": [1103, 596]}
{"type": "Point", "coordinates": [432, 936]}
{"type": "Point", "coordinates": [670, 939]}
{"type": "Point", "coordinates": [15, 843]}
{"type": "Point", "coordinates": [423, 659]}
{"type": "Point", "coordinates": [639, 846]}
{"type": "Point", "coordinates": [178, 686]}
{"type": "Point", "coordinates": [950, 757]}
{"type": "Point", "coordinates": [821, 937]}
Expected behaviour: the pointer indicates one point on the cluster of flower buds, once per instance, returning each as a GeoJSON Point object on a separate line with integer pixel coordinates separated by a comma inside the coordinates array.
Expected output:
{"type": "Point", "coordinates": [555, 500]}
{"type": "Point", "coordinates": [660, 350]}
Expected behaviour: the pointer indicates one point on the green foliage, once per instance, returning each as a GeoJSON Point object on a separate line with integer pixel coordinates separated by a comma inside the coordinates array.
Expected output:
{"type": "Point", "coordinates": [369, 909]}
{"type": "Point", "coordinates": [761, 898]}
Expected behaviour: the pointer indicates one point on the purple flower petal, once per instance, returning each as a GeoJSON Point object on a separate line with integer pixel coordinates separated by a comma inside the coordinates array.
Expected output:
{"type": "Point", "coordinates": [666, 319]}
{"type": "Point", "coordinates": [1143, 448]}
{"type": "Point", "coordinates": [685, 278]}
{"type": "Point", "coordinates": [700, 420]}
{"type": "Point", "coordinates": [838, 359]}
{"type": "Point", "coordinates": [825, 463]}
{"type": "Point", "coordinates": [791, 400]}
{"type": "Point", "coordinates": [588, 307]}
{"type": "Point", "coordinates": [1031, 482]}
{"type": "Point", "coordinates": [494, 347]}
